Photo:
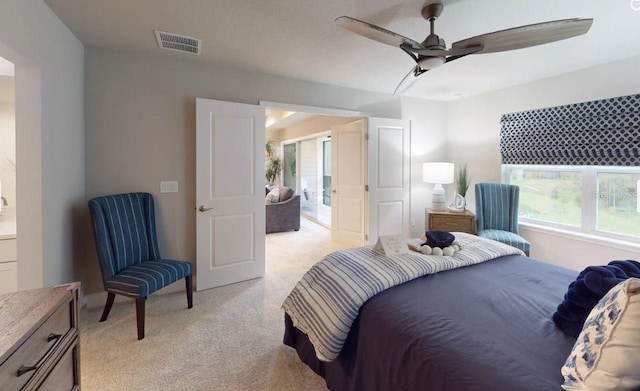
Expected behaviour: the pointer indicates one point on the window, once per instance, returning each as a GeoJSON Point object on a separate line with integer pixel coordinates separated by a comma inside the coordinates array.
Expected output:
{"type": "Point", "coordinates": [326, 172]}
{"type": "Point", "coordinates": [618, 203]}
{"type": "Point", "coordinates": [289, 163]}
{"type": "Point", "coordinates": [589, 199]}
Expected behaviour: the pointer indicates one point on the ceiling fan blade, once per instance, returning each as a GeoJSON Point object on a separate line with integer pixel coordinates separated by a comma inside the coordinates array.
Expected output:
{"type": "Point", "coordinates": [374, 32]}
{"type": "Point", "coordinates": [526, 36]}
{"type": "Point", "coordinates": [409, 80]}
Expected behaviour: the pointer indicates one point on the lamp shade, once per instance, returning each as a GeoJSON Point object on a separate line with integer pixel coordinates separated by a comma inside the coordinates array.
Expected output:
{"type": "Point", "coordinates": [437, 172]}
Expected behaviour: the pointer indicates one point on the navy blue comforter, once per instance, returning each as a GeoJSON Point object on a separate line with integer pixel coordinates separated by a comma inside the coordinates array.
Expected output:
{"type": "Point", "coordinates": [477, 328]}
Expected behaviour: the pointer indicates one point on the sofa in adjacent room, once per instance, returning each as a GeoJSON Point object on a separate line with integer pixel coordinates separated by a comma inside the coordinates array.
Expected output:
{"type": "Point", "coordinates": [283, 209]}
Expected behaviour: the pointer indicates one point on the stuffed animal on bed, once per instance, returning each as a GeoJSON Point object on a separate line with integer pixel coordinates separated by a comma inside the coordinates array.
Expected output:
{"type": "Point", "coordinates": [586, 291]}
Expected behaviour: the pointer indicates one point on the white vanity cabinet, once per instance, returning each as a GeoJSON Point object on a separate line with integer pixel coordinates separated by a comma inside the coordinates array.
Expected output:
{"type": "Point", "coordinates": [8, 266]}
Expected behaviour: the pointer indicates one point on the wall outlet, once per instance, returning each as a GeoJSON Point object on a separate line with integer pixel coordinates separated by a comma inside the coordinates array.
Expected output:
{"type": "Point", "coordinates": [413, 221]}
{"type": "Point", "coordinates": [168, 186]}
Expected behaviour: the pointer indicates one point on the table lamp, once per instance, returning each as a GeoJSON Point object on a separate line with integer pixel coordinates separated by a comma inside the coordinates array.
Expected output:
{"type": "Point", "coordinates": [438, 173]}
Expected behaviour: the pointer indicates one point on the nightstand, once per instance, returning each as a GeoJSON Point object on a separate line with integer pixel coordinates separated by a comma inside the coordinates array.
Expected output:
{"type": "Point", "coordinates": [450, 221]}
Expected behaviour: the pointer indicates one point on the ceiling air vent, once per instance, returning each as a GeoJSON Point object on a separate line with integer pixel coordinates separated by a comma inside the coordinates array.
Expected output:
{"type": "Point", "coordinates": [180, 43]}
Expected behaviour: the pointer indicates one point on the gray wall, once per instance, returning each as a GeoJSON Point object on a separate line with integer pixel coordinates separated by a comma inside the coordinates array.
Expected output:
{"type": "Point", "coordinates": [50, 140]}
{"type": "Point", "coordinates": [140, 129]}
{"type": "Point", "coordinates": [474, 137]}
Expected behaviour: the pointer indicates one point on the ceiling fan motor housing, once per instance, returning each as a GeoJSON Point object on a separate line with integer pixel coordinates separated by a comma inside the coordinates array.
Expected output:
{"type": "Point", "coordinates": [434, 42]}
{"type": "Point", "coordinates": [431, 62]}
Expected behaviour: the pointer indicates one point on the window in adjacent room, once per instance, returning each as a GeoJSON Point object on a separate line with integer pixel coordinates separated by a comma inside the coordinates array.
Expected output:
{"type": "Point", "coordinates": [326, 172]}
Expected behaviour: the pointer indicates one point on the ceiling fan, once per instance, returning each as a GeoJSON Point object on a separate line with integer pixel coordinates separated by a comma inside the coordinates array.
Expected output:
{"type": "Point", "coordinates": [432, 52]}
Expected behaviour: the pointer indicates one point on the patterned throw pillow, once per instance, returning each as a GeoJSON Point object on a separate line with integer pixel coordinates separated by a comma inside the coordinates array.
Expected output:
{"type": "Point", "coordinates": [273, 196]}
{"type": "Point", "coordinates": [606, 355]}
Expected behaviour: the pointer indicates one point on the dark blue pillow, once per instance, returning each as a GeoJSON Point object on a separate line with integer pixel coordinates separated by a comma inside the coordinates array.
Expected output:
{"type": "Point", "coordinates": [586, 291]}
{"type": "Point", "coordinates": [440, 239]}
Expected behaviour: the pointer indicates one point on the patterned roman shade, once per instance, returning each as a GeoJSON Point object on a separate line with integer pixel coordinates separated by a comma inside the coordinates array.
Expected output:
{"type": "Point", "coordinates": [598, 133]}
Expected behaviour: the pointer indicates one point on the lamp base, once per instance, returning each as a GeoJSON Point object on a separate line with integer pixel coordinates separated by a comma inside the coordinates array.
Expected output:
{"type": "Point", "coordinates": [438, 200]}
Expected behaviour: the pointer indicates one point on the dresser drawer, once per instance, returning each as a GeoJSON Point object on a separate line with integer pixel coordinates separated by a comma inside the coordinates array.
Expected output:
{"type": "Point", "coordinates": [464, 221]}
{"type": "Point", "coordinates": [40, 347]}
{"type": "Point", "coordinates": [64, 376]}
{"type": "Point", "coordinates": [445, 223]}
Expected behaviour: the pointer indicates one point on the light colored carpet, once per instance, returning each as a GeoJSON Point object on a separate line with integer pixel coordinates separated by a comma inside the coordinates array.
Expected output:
{"type": "Point", "coordinates": [230, 340]}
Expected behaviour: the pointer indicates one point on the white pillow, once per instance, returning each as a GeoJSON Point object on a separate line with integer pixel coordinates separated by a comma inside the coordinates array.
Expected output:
{"type": "Point", "coordinates": [273, 196]}
{"type": "Point", "coordinates": [606, 355]}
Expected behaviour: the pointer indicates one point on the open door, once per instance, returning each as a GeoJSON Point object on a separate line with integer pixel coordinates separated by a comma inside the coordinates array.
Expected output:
{"type": "Point", "coordinates": [230, 209]}
{"type": "Point", "coordinates": [389, 178]}
{"type": "Point", "coordinates": [348, 177]}
{"type": "Point", "coordinates": [371, 179]}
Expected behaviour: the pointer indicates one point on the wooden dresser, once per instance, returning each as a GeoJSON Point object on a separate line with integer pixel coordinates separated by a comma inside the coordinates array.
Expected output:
{"type": "Point", "coordinates": [39, 343]}
{"type": "Point", "coordinates": [450, 221]}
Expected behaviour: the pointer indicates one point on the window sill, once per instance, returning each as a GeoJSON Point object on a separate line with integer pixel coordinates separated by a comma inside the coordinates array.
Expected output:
{"type": "Point", "coordinates": [588, 238]}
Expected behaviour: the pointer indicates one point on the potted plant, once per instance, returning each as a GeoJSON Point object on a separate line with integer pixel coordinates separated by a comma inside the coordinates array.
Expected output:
{"type": "Point", "coordinates": [274, 163]}
{"type": "Point", "coordinates": [463, 180]}
{"type": "Point", "coordinates": [462, 185]}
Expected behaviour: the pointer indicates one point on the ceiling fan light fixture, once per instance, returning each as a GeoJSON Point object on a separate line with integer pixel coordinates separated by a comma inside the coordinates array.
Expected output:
{"type": "Point", "coordinates": [430, 62]}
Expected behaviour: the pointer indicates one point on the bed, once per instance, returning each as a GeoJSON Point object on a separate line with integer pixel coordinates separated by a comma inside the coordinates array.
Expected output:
{"type": "Point", "coordinates": [487, 326]}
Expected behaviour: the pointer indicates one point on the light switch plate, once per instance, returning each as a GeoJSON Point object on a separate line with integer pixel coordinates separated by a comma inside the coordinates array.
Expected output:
{"type": "Point", "coordinates": [168, 186]}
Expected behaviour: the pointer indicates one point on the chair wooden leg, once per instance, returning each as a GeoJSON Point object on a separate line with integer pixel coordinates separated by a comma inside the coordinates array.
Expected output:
{"type": "Point", "coordinates": [140, 316]}
{"type": "Point", "coordinates": [107, 306]}
{"type": "Point", "coordinates": [189, 282]}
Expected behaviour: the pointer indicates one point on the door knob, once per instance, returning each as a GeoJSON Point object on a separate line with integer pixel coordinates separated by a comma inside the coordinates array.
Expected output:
{"type": "Point", "coordinates": [334, 191]}
{"type": "Point", "coordinates": [203, 208]}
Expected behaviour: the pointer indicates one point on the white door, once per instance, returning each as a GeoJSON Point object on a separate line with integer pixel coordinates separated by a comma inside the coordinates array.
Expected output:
{"type": "Point", "coordinates": [230, 220]}
{"type": "Point", "coordinates": [389, 178]}
{"type": "Point", "coordinates": [348, 180]}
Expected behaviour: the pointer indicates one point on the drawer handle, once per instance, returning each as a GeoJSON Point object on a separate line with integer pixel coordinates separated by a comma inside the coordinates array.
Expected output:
{"type": "Point", "coordinates": [22, 370]}
{"type": "Point", "coordinates": [51, 337]}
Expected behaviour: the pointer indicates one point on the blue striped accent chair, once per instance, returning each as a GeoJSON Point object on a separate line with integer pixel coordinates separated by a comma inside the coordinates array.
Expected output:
{"type": "Point", "coordinates": [497, 214]}
{"type": "Point", "coordinates": [125, 234]}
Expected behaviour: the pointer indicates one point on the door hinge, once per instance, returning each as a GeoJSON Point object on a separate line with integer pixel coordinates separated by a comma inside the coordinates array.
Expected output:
{"type": "Point", "coordinates": [366, 187]}
{"type": "Point", "coordinates": [366, 136]}
{"type": "Point", "coordinates": [366, 238]}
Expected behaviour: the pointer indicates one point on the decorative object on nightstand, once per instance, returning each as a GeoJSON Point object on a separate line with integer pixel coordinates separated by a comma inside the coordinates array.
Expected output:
{"type": "Point", "coordinates": [459, 203]}
{"type": "Point", "coordinates": [464, 221]}
{"type": "Point", "coordinates": [438, 173]}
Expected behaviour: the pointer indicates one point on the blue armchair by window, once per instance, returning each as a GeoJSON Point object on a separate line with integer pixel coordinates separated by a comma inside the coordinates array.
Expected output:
{"type": "Point", "coordinates": [127, 246]}
{"type": "Point", "coordinates": [497, 214]}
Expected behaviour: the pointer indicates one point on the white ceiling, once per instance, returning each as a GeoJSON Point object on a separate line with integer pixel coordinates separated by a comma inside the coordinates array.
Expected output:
{"type": "Point", "coordinates": [299, 38]}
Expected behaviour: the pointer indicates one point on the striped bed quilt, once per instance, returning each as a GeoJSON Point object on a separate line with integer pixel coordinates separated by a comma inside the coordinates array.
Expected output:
{"type": "Point", "coordinates": [326, 301]}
